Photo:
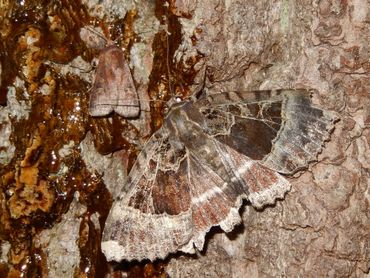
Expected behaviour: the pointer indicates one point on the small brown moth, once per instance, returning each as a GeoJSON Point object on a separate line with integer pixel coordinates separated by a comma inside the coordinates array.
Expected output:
{"type": "Point", "coordinates": [113, 88]}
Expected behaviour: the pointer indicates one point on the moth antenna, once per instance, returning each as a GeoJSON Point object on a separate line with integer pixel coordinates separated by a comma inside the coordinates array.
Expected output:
{"type": "Point", "coordinates": [108, 40]}
{"type": "Point", "coordinates": [50, 62]}
{"type": "Point", "coordinates": [123, 35]}
{"type": "Point", "coordinates": [172, 94]}
{"type": "Point", "coordinates": [82, 70]}
{"type": "Point", "coordinates": [200, 90]}
{"type": "Point", "coordinates": [97, 33]}
{"type": "Point", "coordinates": [170, 85]}
{"type": "Point", "coordinates": [168, 66]}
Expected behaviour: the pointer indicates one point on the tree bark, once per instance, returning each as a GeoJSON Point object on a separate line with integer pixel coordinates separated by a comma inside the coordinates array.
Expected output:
{"type": "Point", "coordinates": [60, 167]}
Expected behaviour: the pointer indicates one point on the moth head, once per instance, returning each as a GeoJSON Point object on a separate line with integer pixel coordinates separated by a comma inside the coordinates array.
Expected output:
{"type": "Point", "coordinates": [173, 102]}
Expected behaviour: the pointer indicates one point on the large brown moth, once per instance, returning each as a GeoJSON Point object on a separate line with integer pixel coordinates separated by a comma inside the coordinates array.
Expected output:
{"type": "Point", "coordinates": [212, 152]}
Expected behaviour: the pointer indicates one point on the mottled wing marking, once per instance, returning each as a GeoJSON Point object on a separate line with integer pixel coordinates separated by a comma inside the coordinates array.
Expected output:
{"type": "Point", "coordinates": [281, 128]}
{"type": "Point", "coordinates": [167, 211]}
{"type": "Point", "coordinates": [113, 88]}
{"type": "Point", "coordinates": [241, 119]}
{"type": "Point", "coordinates": [179, 195]}
{"type": "Point", "coordinates": [216, 199]}
{"type": "Point", "coordinates": [195, 171]}
{"type": "Point", "coordinates": [142, 223]}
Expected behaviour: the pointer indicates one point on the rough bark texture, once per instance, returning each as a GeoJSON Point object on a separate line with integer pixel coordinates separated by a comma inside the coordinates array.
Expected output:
{"type": "Point", "coordinates": [57, 164]}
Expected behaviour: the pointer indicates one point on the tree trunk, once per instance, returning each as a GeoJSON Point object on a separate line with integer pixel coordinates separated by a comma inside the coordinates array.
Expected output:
{"type": "Point", "coordinates": [60, 167]}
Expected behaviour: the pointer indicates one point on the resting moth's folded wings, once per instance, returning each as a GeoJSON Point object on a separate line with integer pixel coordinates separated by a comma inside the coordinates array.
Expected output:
{"type": "Point", "coordinates": [209, 155]}
{"type": "Point", "coordinates": [171, 206]}
{"type": "Point", "coordinates": [113, 88]}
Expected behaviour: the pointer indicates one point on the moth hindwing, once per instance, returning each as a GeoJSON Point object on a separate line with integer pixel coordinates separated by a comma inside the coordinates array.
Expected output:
{"type": "Point", "coordinates": [209, 155]}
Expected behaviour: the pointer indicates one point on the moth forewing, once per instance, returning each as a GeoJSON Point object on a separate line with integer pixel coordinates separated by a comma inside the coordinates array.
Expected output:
{"type": "Point", "coordinates": [113, 88]}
